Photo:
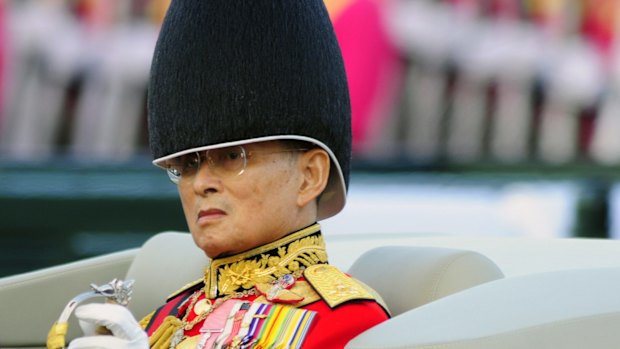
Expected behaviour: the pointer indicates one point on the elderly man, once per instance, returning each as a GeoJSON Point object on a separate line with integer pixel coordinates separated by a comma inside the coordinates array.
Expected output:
{"type": "Point", "coordinates": [249, 115]}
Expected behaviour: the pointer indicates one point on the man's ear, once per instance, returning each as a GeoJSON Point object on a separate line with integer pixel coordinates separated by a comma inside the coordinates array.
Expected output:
{"type": "Point", "coordinates": [314, 165]}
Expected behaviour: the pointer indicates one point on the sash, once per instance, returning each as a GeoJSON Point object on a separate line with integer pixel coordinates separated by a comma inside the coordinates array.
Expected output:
{"type": "Point", "coordinates": [171, 308]}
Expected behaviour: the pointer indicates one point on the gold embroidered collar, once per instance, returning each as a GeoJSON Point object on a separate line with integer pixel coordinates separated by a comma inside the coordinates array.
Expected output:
{"type": "Point", "coordinates": [288, 255]}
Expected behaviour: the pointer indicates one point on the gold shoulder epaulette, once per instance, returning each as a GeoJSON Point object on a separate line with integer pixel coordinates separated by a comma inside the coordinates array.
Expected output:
{"type": "Point", "coordinates": [376, 296]}
{"type": "Point", "coordinates": [334, 286]}
{"type": "Point", "coordinates": [187, 287]}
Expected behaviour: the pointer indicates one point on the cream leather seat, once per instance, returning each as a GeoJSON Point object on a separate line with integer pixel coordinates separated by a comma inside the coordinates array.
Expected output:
{"type": "Point", "coordinates": [164, 263]}
{"type": "Point", "coordinates": [407, 277]}
{"type": "Point", "coordinates": [568, 309]}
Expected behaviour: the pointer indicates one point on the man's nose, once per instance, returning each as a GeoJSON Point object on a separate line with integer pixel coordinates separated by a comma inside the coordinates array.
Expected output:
{"type": "Point", "coordinates": [205, 180]}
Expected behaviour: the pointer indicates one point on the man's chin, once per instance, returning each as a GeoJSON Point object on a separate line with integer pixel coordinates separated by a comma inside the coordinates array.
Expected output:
{"type": "Point", "coordinates": [206, 245]}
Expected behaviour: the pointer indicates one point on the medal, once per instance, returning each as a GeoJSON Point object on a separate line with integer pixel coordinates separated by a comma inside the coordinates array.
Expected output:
{"type": "Point", "coordinates": [177, 338]}
{"type": "Point", "coordinates": [278, 291]}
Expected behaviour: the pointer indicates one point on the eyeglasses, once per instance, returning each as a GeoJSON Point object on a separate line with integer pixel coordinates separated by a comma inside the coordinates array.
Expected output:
{"type": "Point", "coordinates": [223, 162]}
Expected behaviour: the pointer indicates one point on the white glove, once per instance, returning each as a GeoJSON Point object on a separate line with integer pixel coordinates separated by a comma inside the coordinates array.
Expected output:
{"type": "Point", "coordinates": [126, 333]}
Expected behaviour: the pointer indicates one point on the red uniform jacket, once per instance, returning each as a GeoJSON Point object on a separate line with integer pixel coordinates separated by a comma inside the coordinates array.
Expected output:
{"type": "Point", "coordinates": [283, 294]}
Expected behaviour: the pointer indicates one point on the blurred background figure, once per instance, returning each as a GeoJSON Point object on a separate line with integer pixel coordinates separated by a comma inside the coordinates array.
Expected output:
{"type": "Point", "coordinates": [3, 53]}
{"type": "Point", "coordinates": [374, 69]}
{"type": "Point", "coordinates": [73, 76]}
{"type": "Point", "coordinates": [436, 81]}
{"type": "Point", "coordinates": [495, 117]}
{"type": "Point", "coordinates": [76, 77]}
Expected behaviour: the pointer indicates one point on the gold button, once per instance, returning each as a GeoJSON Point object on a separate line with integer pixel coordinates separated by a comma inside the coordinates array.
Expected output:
{"type": "Point", "coordinates": [203, 306]}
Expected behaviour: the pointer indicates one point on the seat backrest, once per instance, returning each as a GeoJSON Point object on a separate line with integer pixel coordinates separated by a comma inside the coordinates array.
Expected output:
{"type": "Point", "coordinates": [165, 263]}
{"type": "Point", "coordinates": [568, 309]}
{"type": "Point", "coordinates": [409, 276]}
{"type": "Point", "coordinates": [404, 276]}
{"type": "Point", "coordinates": [31, 302]}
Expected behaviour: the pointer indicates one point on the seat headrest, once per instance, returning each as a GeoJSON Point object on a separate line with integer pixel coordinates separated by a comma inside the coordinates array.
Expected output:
{"type": "Point", "coordinates": [409, 276]}
{"type": "Point", "coordinates": [165, 263]}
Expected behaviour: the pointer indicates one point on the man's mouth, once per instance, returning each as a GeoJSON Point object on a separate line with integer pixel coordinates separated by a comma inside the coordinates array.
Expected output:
{"type": "Point", "coordinates": [209, 215]}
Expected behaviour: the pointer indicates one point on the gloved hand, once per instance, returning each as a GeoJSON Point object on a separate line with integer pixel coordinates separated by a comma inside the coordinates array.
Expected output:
{"type": "Point", "coordinates": [126, 333]}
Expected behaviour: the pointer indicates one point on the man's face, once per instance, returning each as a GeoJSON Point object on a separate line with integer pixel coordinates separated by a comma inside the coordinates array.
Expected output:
{"type": "Point", "coordinates": [231, 214]}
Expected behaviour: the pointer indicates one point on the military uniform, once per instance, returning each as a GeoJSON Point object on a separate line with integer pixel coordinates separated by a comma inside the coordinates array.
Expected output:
{"type": "Point", "coordinates": [233, 73]}
{"type": "Point", "coordinates": [228, 73]}
{"type": "Point", "coordinates": [280, 295]}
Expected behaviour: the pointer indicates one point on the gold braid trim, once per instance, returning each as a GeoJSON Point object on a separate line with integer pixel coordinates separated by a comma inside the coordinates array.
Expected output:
{"type": "Point", "coordinates": [266, 263]}
{"type": "Point", "coordinates": [160, 339]}
{"type": "Point", "coordinates": [145, 320]}
{"type": "Point", "coordinates": [334, 286]}
{"type": "Point", "coordinates": [56, 335]}
{"type": "Point", "coordinates": [247, 273]}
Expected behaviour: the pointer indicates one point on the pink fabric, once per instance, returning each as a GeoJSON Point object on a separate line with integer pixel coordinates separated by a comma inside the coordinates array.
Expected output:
{"type": "Point", "coordinates": [598, 26]}
{"type": "Point", "coordinates": [216, 321]}
{"type": "Point", "coordinates": [372, 65]}
{"type": "Point", "coordinates": [4, 37]}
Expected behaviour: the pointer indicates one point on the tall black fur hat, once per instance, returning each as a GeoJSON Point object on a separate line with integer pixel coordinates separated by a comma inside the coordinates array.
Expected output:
{"type": "Point", "coordinates": [232, 72]}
